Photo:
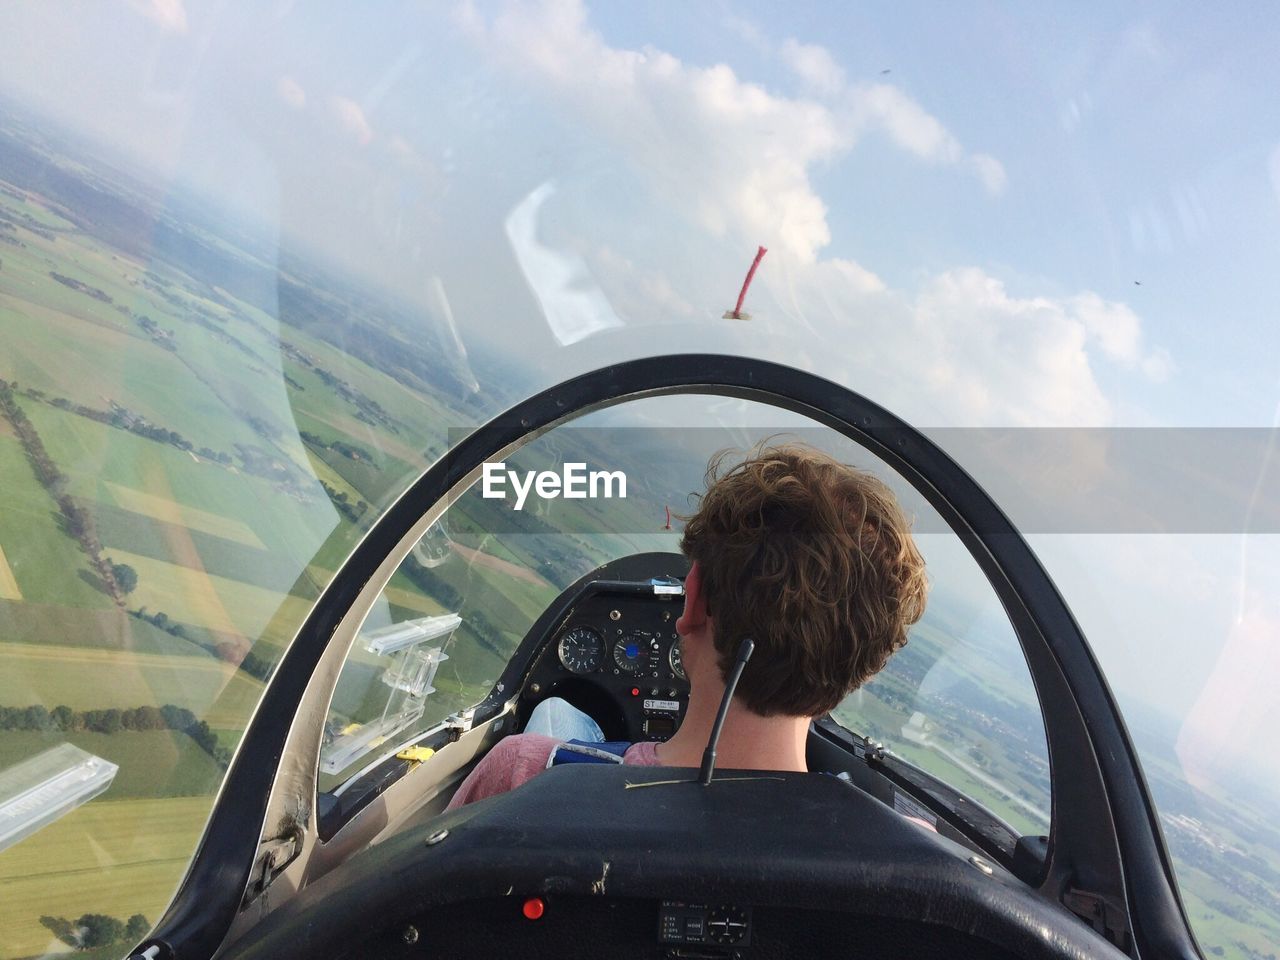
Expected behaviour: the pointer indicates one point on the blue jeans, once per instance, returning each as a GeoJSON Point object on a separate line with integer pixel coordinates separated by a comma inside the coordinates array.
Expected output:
{"type": "Point", "coordinates": [558, 718]}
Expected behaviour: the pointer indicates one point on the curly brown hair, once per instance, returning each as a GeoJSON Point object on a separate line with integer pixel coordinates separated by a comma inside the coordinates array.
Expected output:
{"type": "Point", "coordinates": [813, 560]}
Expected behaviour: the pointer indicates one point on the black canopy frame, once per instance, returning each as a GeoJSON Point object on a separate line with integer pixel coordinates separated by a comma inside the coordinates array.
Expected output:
{"type": "Point", "coordinates": [1106, 851]}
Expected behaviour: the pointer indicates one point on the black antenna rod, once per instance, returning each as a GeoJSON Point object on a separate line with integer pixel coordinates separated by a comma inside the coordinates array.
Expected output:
{"type": "Point", "coordinates": [709, 755]}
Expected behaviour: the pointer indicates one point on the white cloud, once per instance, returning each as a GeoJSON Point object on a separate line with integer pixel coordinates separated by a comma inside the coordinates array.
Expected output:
{"type": "Point", "coordinates": [351, 119]}
{"type": "Point", "coordinates": [908, 124]}
{"type": "Point", "coordinates": [814, 65]}
{"type": "Point", "coordinates": [1117, 330]}
{"type": "Point", "coordinates": [1005, 357]}
{"type": "Point", "coordinates": [734, 154]}
{"type": "Point", "coordinates": [739, 159]}
{"type": "Point", "coordinates": [856, 276]}
{"type": "Point", "coordinates": [169, 14]}
{"type": "Point", "coordinates": [887, 108]}
{"type": "Point", "coordinates": [632, 283]}
{"type": "Point", "coordinates": [1113, 325]}
{"type": "Point", "coordinates": [749, 32]}
{"type": "Point", "coordinates": [960, 349]}
{"type": "Point", "coordinates": [1158, 365]}
{"type": "Point", "coordinates": [291, 93]}
{"type": "Point", "coordinates": [990, 171]}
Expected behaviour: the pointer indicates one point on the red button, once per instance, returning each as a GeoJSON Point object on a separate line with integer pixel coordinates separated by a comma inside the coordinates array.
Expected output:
{"type": "Point", "coordinates": [635, 691]}
{"type": "Point", "coordinates": [534, 908]}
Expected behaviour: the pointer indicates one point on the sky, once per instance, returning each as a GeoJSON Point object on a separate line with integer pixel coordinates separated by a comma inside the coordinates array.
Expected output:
{"type": "Point", "coordinates": [995, 216]}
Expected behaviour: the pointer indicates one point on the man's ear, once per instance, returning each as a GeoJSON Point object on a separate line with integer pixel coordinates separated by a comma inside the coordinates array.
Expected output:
{"type": "Point", "coordinates": [694, 618]}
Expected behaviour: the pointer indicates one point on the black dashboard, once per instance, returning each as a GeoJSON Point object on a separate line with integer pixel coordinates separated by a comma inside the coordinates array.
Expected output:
{"type": "Point", "coordinates": [614, 653]}
{"type": "Point", "coordinates": [588, 861]}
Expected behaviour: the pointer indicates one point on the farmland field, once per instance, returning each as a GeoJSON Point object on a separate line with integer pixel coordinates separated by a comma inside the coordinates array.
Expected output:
{"type": "Point", "coordinates": [164, 412]}
{"type": "Point", "coordinates": [154, 764]}
{"type": "Point", "coordinates": [220, 603]}
{"type": "Point", "coordinates": [39, 553]}
{"type": "Point", "coordinates": [158, 481]}
{"type": "Point", "coordinates": [106, 627]}
{"type": "Point", "coordinates": [87, 678]}
{"type": "Point", "coordinates": [115, 857]}
{"type": "Point", "coordinates": [165, 509]}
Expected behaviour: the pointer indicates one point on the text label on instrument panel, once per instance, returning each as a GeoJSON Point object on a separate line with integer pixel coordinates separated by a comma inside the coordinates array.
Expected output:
{"type": "Point", "coordinates": [700, 923]}
{"type": "Point", "coordinates": [672, 705]}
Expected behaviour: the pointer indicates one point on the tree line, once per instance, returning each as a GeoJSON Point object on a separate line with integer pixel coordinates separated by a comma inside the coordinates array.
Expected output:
{"type": "Point", "coordinates": [340, 500]}
{"type": "Point", "coordinates": [161, 621]}
{"type": "Point", "coordinates": [77, 521]}
{"type": "Point", "coordinates": [92, 930]}
{"type": "Point", "coordinates": [349, 450]}
{"type": "Point", "coordinates": [251, 663]}
{"type": "Point", "coordinates": [123, 419]}
{"type": "Point", "coordinates": [38, 718]}
{"type": "Point", "coordinates": [80, 286]}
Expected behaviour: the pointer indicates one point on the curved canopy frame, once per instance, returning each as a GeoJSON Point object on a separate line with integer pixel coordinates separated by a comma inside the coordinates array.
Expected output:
{"type": "Point", "coordinates": [1106, 852]}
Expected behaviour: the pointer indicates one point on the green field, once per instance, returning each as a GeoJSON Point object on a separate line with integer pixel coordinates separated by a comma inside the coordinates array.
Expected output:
{"type": "Point", "coordinates": [199, 554]}
{"type": "Point", "coordinates": [108, 628]}
{"type": "Point", "coordinates": [100, 361]}
{"type": "Point", "coordinates": [326, 474]}
{"type": "Point", "coordinates": [9, 589]}
{"type": "Point", "coordinates": [85, 678]}
{"type": "Point", "coordinates": [154, 764]}
{"type": "Point", "coordinates": [157, 481]}
{"type": "Point", "coordinates": [38, 212]}
{"type": "Point", "coordinates": [173, 543]}
{"type": "Point", "coordinates": [228, 606]}
{"type": "Point", "coordinates": [114, 857]}
{"type": "Point", "coordinates": [229, 552]}
{"type": "Point", "coordinates": [46, 563]}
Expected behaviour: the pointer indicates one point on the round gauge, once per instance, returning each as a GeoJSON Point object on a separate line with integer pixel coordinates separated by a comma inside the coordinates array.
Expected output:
{"type": "Point", "coordinates": [638, 652]}
{"type": "Point", "coordinates": [674, 659]}
{"type": "Point", "coordinates": [581, 650]}
{"type": "Point", "coordinates": [630, 653]}
{"type": "Point", "coordinates": [727, 925]}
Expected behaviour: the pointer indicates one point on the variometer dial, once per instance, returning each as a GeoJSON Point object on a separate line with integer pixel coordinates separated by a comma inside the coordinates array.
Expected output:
{"type": "Point", "coordinates": [581, 650]}
{"type": "Point", "coordinates": [637, 653]}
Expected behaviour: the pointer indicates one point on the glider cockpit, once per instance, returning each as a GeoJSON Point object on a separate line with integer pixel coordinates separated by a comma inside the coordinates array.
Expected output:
{"type": "Point", "coordinates": [373, 719]}
{"type": "Point", "coordinates": [586, 861]}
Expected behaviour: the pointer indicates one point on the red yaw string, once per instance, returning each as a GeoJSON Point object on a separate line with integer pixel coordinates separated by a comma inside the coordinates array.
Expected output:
{"type": "Point", "coordinates": [737, 310]}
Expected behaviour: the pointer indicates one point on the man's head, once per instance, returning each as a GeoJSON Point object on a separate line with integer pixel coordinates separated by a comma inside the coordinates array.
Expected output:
{"type": "Point", "coordinates": [814, 561]}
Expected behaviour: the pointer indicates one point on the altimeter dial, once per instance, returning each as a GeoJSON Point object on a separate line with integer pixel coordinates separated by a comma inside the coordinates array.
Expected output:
{"type": "Point", "coordinates": [581, 650]}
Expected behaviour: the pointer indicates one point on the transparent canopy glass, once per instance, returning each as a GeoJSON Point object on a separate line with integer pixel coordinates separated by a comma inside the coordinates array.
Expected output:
{"type": "Point", "coordinates": [259, 264]}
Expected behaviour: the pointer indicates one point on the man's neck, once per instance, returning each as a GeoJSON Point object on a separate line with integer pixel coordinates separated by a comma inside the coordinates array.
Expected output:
{"type": "Point", "coordinates": [747, 742]}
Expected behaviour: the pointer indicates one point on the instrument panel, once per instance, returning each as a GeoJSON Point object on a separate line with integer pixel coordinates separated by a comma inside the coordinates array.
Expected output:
{"type": "Point", "coordinates": [584, 650]}
{"type": "Point", "coordinates": [617, 653]}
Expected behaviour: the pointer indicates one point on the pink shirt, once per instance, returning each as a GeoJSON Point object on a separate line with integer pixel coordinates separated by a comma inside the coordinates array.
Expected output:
{"type": "Point", "coordinates": [517, 759]}
{"type": "Point", "coordinates": [522, 757]}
